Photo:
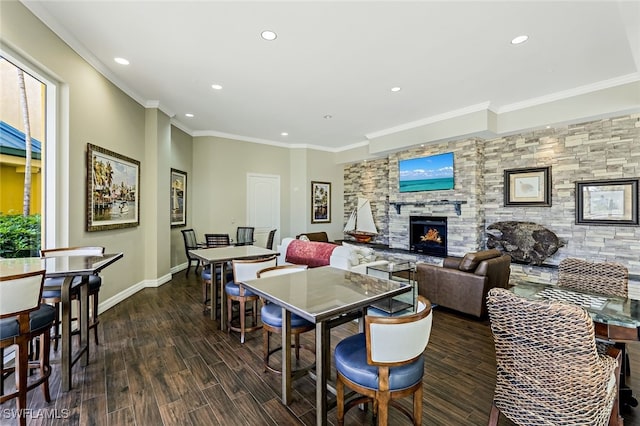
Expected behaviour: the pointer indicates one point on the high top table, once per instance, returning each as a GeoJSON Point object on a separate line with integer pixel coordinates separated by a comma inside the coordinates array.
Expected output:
{"type": "Point", "coordinates": [327, 297]}
{"type": "Point", "coordinates": [220, 256]}
{"type": "Point", "coordinates": [67, 267]}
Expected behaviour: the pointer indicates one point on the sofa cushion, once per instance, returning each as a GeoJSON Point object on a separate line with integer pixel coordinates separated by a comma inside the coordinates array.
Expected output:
{"type": "Point", "coordinates": [362, 254]}
{"type": "Point", "coordinates": [310, 253]}
{"type": "Point", "coordinates": [470, 261]}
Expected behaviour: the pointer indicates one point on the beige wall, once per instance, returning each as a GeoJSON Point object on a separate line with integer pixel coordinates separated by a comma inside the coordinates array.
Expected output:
{"type": "Point", "coordinates": [181, 159]}
{"type": "Point", "coordinates": [91, 110]}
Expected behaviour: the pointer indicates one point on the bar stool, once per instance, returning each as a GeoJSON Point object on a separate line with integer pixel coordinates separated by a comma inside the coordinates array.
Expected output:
{"type": "Point", "coordinates": [23, 317]}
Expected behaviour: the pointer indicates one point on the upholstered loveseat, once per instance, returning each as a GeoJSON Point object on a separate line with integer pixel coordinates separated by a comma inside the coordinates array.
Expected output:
{"type": "Point", "coordinates": [462, 283]}
{"type": "Point", "coordinates": [314, 253]}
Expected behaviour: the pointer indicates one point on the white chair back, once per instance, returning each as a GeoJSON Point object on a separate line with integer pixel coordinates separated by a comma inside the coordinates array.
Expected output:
{"type": "Point", "coordinates": [245, 270]}
{"type": "Point", "coordinates": [20, 293]}
{"type": "Point", "coordinates": [281, 270]}
{"type": "Point", "coordinates": [392, 340]}
{"type": "Point", "coordinates": [73, 251]}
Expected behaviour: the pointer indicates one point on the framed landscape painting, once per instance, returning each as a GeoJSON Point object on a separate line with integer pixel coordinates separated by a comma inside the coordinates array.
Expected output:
{"type": "Point", "coordinates": [178, 198]}
{"type": "Point", "coordinates": [320, 202]}
{"type": "Point", "coordinates": [113, 190]}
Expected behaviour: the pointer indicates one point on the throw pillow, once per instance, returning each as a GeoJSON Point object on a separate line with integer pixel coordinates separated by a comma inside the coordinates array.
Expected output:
{"type": "Point", "coordinates": [362, 254]}
{"type": "Point", "coordinates": [303, 238]}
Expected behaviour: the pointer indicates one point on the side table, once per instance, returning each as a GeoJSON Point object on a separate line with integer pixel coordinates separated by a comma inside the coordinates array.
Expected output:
{"type": "Point", "coordinates": [403, 272]}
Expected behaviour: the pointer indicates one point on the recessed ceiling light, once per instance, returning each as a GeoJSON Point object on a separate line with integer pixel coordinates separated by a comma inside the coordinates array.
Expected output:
{"type": "Point", "coordinates": [216, 87]}
{"type": "Point", "coordinates": [189, 115]}
{"type": "Point", "coordinates": [395, 89]}
{"type": "Point", "coordinates": [328, 117]}
{"type": "Point", "coordinates": [284, 134]}
{"type": "Point", "coordinates": [268, 35]}
{"type": "Point", "coordinates": [520, 39]}
{"type": "Point", "coordinates": [121, 61]}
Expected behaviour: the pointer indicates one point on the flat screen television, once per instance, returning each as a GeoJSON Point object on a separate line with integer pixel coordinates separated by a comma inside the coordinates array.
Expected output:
{"type": "Point", "coordinates": [432, 173]}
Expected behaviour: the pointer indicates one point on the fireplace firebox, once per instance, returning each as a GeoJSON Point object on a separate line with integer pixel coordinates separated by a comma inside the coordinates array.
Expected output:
{"type": "Point", "coordinates": [428, 235]}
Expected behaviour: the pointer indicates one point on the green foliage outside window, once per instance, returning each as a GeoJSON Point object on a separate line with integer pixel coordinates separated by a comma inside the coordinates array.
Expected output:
{"type": "Point", "coordinates": [20, 236]}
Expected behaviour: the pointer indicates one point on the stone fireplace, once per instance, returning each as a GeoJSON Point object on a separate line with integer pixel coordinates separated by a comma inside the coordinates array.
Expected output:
{"type": "Point", "coordinates": [428, 235]}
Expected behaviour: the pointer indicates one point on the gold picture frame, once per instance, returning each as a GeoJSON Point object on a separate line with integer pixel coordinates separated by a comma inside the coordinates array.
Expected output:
{"type": "Point", "coordinates": [113, 190]}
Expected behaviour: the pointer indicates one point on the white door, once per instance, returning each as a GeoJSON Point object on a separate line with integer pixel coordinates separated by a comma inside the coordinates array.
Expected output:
{"type": "Point", "coordinates": [263, 206]}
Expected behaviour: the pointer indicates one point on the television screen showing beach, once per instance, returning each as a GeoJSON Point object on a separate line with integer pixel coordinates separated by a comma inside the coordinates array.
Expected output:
{"type": "Point", "coordinates": [427, 173]}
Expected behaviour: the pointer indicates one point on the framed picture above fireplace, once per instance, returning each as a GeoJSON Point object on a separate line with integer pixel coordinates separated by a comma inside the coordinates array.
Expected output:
{"type": "Point", "coordinates": [528, 187]}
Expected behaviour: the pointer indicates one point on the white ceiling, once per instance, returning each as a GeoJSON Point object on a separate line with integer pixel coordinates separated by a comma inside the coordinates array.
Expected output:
{"type": "Point", "coordinates": [342, 58]}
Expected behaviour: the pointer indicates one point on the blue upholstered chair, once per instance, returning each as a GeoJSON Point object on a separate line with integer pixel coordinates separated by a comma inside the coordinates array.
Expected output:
{"type": "Point", "coordinates": [22, 318]}
{"type": "Point", "coordinates": [385, 363]}
{"type": "Point", "coordinates": [52, 288]}
{"type": "Point", "coordinates": [244, 270]}
{"type": "Point", "coordinates": [271, 315]}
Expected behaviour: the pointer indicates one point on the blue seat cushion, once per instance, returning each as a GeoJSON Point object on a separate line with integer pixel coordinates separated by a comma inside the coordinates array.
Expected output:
{"type": "Point", "coordinates": [351, 361]}
{"type": "Point", "coordinates": [95, 282]}
{"type": "Point", "coordinates": [271, 314]}
{"type": "Point", "coordinates": [233, 289]}
{"type": "Point", "coordinates": [206, 274]}
{"type": "Point", "coordinates": [42, 317]}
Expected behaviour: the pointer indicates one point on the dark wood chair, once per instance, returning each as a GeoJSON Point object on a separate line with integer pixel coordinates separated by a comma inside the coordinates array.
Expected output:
{"type": "Point", "coordinates": [549, 370]}
{"type": "Point", "coordinates": [244, 236]}
{"type": "Point", "coordinates": [385, 363]}
{"type": "Point", "coordinates": [271, 315]}
{"type": "Point", "coordinates": [211, 241]}
{"type": "Point", "coordinates": [23, 317]}
{"type": "Point", "coordinates": [191, 243]}
{"type": "Point", "coordinates": [270, 238]}
{"type": "Point", "coordinates": [244, 270]}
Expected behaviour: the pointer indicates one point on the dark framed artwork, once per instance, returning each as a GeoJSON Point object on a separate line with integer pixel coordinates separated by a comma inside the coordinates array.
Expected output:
{"type": "Point", "coordinates": [113, 190]}
{"type": "Point", "coordinates": [178, 198]}
{"type": "Point", "coordinates": [528, 187]}
{"type": "Point", "coordinates": [320, 202]}
{"type": "Point", "coordinates": [607, 202]}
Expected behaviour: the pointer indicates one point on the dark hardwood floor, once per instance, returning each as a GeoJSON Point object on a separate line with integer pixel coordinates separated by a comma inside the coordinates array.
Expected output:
{"type": "Point", "coordinates": [162, 362]}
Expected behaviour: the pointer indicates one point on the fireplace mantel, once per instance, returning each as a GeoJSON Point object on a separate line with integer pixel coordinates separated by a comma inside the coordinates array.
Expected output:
{"type": "Point", "coordinates": [456, 204]}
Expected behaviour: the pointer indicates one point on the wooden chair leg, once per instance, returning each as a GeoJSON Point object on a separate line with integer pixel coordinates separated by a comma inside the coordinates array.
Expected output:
{"type": "Point", "coordinates": [56, 327]}
{"type": "Point", "coordinates": [242, 319]}
{"type": "Point", "coordinates": [297, 345]}
{"type": "Point", "coordinates": [340, 401]}
{"type": "Point", "coordinates": [383, 408]}
{"type": "Point", "coordinates": [229, 314]}
{"type": "Point", "coordinates": [417, 406]}
{"type": "Point", "coordinates": [494, 416]}
{"type": "Point", "coordinates": [45, 367]}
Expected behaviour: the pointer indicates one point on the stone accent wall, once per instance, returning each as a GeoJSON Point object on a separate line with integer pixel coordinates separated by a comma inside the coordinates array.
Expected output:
{"type": "Point", "coordinates": [597, 150]}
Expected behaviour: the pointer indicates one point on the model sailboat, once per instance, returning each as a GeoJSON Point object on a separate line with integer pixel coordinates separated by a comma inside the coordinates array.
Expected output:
{"type": "Point", "coordinates": [360, 224]}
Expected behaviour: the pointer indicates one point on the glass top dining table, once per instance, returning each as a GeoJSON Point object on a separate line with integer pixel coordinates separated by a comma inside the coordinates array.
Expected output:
{"type": "Point", "coordinates": [616, 318]}
{"type": "Point", "coordinates": [67, 267]}
{"type": "Point", "coordinates": [328, 297]}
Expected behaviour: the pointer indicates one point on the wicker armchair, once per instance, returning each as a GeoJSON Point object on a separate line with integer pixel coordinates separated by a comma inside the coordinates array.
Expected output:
{"type": "Point", "coordinates": [595, 277]}
{"type": "Point", "coordinates": [548, 368]}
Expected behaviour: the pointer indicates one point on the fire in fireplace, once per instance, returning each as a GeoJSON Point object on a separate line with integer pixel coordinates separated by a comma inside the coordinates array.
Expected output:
{"type": "Point", "coordinates": [428, 235]}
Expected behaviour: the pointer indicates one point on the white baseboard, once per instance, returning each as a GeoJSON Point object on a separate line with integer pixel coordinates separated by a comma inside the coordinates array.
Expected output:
{"type": "Point", "coordinates": [125, 294]}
